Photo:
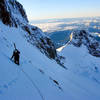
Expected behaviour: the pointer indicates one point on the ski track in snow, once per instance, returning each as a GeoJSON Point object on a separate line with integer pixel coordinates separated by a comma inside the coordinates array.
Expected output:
{"type": "Point", "coordinates": [33, 84]}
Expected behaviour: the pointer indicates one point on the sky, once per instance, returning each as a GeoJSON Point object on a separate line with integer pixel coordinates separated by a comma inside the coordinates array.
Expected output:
{"type": "Point", "coordinates": [48, 9]}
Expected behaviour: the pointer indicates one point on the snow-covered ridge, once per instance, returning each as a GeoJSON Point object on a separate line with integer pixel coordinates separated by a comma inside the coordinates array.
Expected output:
{"type": "Point", "coordinates": [82, 37]}
{"type": "Point", "coordinates": [13, 14]}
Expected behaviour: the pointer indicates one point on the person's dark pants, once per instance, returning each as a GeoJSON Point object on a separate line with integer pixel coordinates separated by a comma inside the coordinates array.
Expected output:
{"type": "Point", "coordinates": [16, 60]}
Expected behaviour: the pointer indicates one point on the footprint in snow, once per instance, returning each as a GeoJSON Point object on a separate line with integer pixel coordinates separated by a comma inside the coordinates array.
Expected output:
{"type": "Point", "coordinates": [41, 71]}
{"type": "Point", "coordinates": [12, 82]}
{"type": "Point", "coordinates": [56, 83]}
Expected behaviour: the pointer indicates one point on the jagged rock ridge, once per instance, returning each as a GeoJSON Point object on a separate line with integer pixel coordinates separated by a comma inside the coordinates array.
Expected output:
{"type": "Point", "coordinates": [81, 37]}
{"type": "Point", "coordinates": [12, 13]}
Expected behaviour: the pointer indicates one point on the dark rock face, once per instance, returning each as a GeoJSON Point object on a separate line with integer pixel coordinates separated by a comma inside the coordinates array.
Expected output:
{"type": "Point", "coordinates": [50, 49]}
{"type": "Point", "coordinates": [84, 38]}
{"type": "Point", "coordinates": [21, 10]}
{"type": "Point", "coordinates": [5, 16]}
{"type": "Point", "coordinates": [10, 8]}
{"type": "Point", "coordinates": [36, 37]}
{"type": "Point", "coordinates": [43, 42]}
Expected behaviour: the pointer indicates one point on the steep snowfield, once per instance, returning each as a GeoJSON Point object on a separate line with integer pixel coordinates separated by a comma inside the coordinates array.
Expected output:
{"type": "Point", "coordinates": [40, 78]}
{"type": "Point", "coordinates": [81, 63]}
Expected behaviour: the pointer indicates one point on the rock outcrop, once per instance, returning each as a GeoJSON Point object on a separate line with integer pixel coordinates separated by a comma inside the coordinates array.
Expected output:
{"type": "Point", "coordinates": [81, 37]}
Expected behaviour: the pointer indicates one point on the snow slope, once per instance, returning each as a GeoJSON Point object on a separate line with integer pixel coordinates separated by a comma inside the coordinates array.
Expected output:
{"type": "Point", "coordinates": [81, 63]}
{"type": "Point", "coordinates": [38, 77]}
{"type": "Point", "coordinates": [18, 82]}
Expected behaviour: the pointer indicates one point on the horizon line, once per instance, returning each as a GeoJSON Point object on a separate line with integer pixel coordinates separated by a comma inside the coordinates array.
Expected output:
{"type": "Point", "coordinates": [30, 20]}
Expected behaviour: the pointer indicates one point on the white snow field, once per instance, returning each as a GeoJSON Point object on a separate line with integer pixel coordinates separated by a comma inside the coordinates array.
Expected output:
{"type": "Point", "coordinates": [39, 78]}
